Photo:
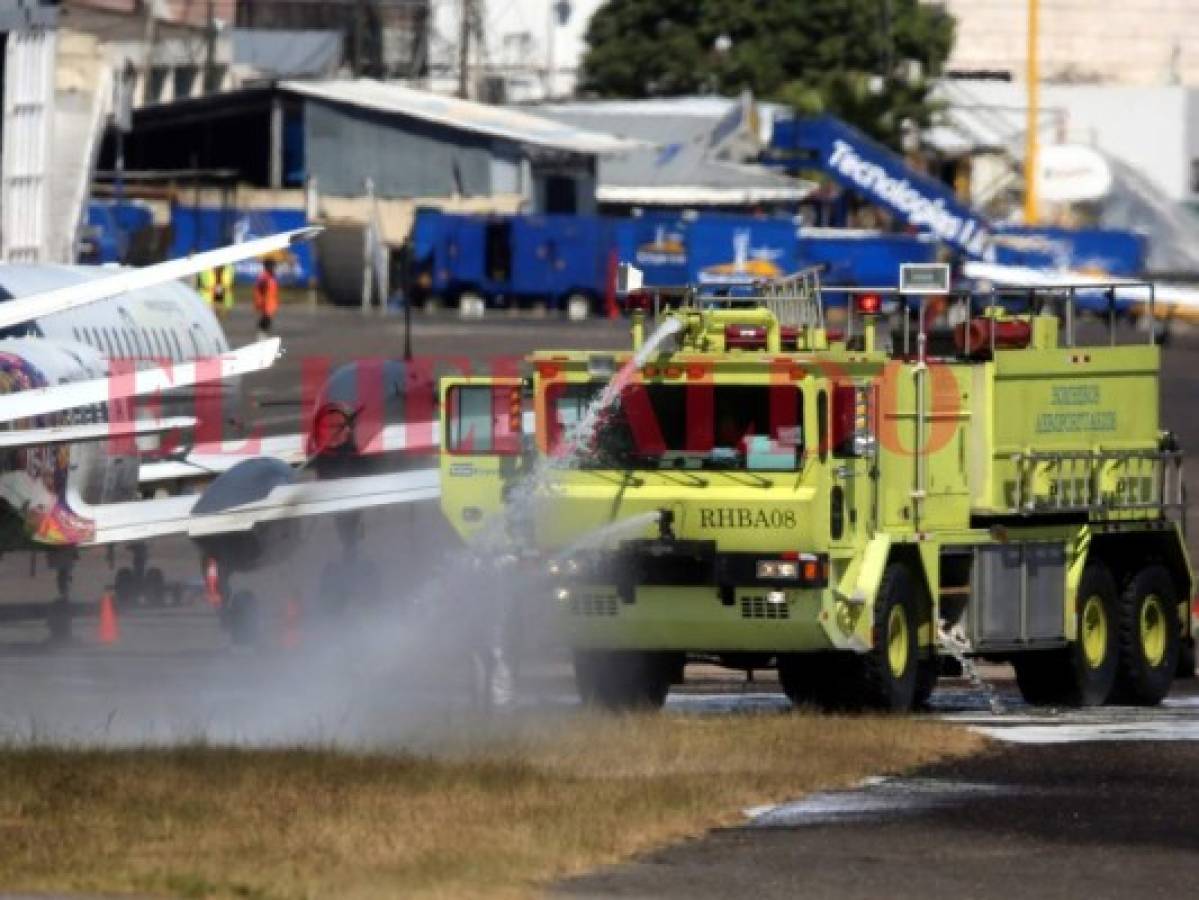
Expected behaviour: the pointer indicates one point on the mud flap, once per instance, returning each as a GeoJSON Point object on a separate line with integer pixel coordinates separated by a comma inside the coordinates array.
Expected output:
{"type": "Point", "coordinates": [849, 626]}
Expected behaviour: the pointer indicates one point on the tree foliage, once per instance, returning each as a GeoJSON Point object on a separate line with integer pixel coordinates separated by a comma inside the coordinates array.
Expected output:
{"type": "Point", "coordinates": [867, 61]}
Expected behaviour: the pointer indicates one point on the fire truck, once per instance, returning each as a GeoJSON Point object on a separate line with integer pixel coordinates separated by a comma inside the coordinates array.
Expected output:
{"type": "Point", "coordinates": [946, 472]}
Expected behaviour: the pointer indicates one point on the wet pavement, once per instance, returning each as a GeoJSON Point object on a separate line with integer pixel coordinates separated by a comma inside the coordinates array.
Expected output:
{"type": "Point", "coordinates": [1064, 820]}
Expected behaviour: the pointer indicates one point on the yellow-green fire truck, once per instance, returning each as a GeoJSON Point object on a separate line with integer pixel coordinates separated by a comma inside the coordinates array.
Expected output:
{"type": "Point", "coordinates": [764, 491]}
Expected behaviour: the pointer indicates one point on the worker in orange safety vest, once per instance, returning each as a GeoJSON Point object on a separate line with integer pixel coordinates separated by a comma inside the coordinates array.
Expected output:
{"type": "Point", "coordinates": [266, 298]}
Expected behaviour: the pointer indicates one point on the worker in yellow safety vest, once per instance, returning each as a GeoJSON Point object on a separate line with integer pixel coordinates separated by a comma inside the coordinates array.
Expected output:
{"type": "Point", "coordinates": [216, 286]}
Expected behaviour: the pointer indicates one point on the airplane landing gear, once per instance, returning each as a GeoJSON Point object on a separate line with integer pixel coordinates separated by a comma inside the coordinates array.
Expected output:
{"type": "Point", "coordinates": [136, 582]}
{"type": "Point", "coordinates": [60, 615]}
{"type": "Point", "coordinates": [240, 612]}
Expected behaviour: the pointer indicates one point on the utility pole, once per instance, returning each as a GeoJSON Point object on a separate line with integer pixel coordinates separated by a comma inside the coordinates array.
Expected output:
{"type": "Point", "coordinates": [1030, 137]}
{"type": "Point", "coordinates": [464, 32]}
{"type": "Point", "coordinates": [209, 84]}
{"type": "Point", "coordinates": [359, 37]}
{"type": "Point", "coordinates": [149, 37]}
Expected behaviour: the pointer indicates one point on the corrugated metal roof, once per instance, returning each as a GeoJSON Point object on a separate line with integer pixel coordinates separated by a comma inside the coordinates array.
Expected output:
{"type": "Point", "coordinates": [497, 121]}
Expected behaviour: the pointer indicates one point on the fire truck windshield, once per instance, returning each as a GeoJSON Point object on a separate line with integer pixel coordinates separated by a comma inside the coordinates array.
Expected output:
{"type": "Point", "coordinates": [680, 426]}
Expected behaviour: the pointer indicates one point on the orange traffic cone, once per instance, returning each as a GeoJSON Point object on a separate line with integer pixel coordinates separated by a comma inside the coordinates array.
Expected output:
{"type": "Point", "coordinates": [108, 632]}
{"type": "Point", "coordinates": [291, 624]}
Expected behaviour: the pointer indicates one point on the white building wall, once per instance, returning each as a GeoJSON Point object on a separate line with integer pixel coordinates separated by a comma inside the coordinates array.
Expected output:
{"type": "Point", "coordinates": [1153, 129]}
{"type": "Point", "coordinates": [1136, 42]}
{"type": "Point", "coordinates": [527, 44]}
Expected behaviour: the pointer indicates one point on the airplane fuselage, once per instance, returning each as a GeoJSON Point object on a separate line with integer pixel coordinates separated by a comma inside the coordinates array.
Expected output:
{"type": "Point", "coordinates": [162, 326]}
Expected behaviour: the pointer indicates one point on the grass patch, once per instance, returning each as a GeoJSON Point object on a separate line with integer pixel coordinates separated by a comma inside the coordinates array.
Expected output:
{"type": "Point", "coordinates": [494, 814]}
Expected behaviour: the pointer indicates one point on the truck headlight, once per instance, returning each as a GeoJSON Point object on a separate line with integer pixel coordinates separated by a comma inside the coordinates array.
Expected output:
{"type": "Point", "coordinates": [777, 568]}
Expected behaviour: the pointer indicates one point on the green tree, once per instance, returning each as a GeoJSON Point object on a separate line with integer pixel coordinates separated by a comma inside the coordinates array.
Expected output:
{"type": "Point", "coordinates": [867, 61]}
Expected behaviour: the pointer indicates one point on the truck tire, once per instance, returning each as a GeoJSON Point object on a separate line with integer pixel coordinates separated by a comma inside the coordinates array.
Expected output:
{"type": "Point", "coordinates": [623, 680]}
{"type": "Point", "coordinates": [1083, 674]}
{"type": "Point", "coordinates": [887, 672]}
{"type": "Point", "coordinates": [578, 307]}
{"type": "Point", "coordinates": [471, 305]}
{"type": "Point", "coordinates": [1148, 629]}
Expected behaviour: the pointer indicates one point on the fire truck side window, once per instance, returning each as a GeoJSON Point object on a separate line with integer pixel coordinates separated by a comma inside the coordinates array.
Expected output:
{"type": "Point", "coordinates": [470, 420]}
{"type": "Point", "coordinates": [688, 426]}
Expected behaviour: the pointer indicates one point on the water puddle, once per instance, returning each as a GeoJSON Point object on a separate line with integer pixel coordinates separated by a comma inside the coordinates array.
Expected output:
{"type": "Point", "coordinates": [874, 799]}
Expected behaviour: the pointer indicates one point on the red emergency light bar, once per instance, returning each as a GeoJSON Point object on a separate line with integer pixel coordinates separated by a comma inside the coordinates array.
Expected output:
{"type": "Point", "coordinates": [869, 304]}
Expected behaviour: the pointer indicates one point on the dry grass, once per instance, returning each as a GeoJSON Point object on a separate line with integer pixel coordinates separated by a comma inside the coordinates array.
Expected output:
{"type": "Point", "coordinates": [488, 815]}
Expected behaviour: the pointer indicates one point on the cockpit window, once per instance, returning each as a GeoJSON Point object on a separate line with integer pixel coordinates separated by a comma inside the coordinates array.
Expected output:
{"type": "Point", "coordinates": [691, 426]}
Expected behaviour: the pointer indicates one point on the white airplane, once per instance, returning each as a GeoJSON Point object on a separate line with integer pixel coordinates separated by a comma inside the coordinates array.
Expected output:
{"type": "Point", "coordinates": [67, 483]}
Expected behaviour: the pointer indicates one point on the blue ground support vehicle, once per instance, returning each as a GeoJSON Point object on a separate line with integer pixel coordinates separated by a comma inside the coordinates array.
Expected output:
{"type": "Point", "coordinates": [559, 261]}
{"type": "Point", "coordinates": [112, 227]}
{"type": "Point", "coordinates": [568, 262]}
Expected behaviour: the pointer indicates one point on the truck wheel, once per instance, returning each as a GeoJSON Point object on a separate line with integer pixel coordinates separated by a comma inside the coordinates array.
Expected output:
{"type": "Point", "coordinates": [1083, 674]}
{"type": "Point", "coordinates": [885, 676]}
{"type": "Point", "coordinates": [623, 680]}
{"type": "Point", "coordinates": [578, 307]}
{"type": "Point", "coordinates": [1147, 625]}
{"type": "Point", "coordinates": [471, 305]}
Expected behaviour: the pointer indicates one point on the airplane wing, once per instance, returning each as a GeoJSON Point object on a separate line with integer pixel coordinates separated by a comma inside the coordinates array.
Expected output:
{"type": "Point", "coordinates": [212, 459]}
{"type": "Point", "coordinates": [94, 431]}
{"type": "Point", "coordinates": [139, 520]}
{"type": "Point", "coordinates": [22, 309]}
{"type": "Point", "coordinates": [39, 401]}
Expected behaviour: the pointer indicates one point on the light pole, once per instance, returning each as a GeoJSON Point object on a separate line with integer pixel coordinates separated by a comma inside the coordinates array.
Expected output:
{"type": "Point", "coordinates": [1030, 137]}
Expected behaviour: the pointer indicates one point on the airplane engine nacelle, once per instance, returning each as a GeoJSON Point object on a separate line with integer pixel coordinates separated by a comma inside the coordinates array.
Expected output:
{"type": "Point", "coordinates": [349, 431]}
{"type": "Point", "coordinates": [241, 486]}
